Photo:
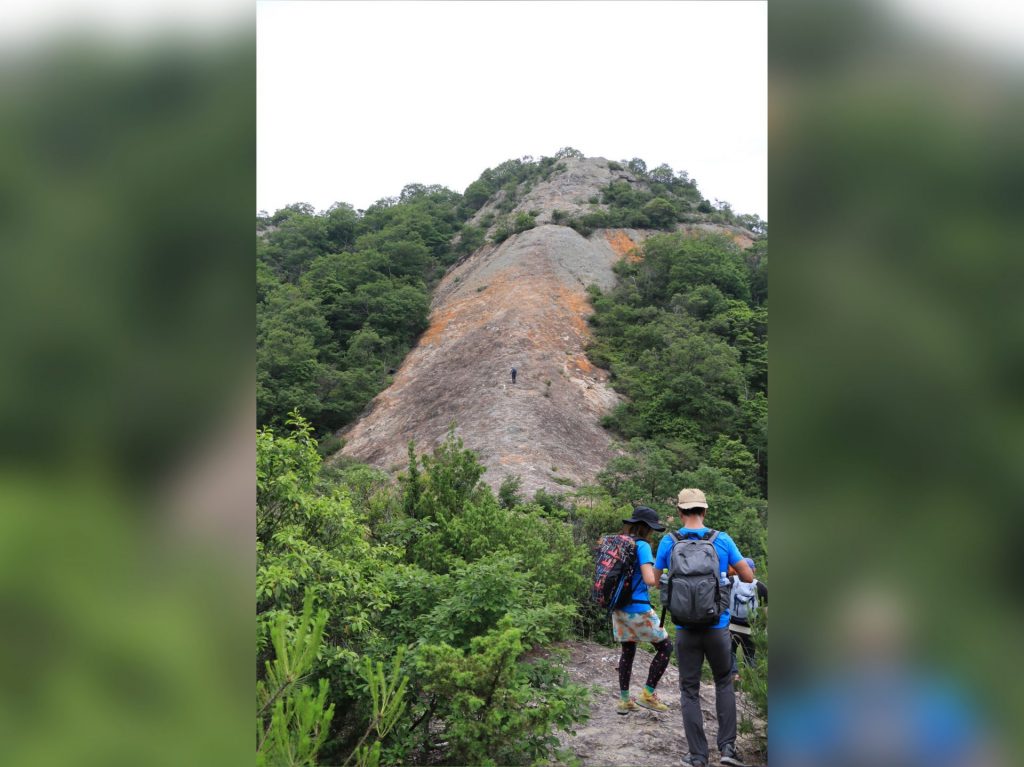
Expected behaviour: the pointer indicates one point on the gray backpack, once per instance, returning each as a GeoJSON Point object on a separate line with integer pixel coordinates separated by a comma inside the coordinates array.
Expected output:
{"type": "Point", "coordinates": [743, 602]}
{"type": "Point", "coordinates": [695, 595]}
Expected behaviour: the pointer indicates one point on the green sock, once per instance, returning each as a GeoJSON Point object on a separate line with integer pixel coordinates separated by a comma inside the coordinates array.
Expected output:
{"type": "Point", "coordinates": [649, 689]}
{"type": "Point", "coordinates": [624, 694]}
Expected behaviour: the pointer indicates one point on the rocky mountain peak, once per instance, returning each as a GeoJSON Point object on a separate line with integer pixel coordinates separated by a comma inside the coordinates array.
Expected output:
{"type": "Point", "coordinates": [574, 182]}
{"type": "Point", "coordinates": [519, 303]}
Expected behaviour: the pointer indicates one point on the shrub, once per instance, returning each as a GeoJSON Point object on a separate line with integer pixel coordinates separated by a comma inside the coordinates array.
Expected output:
{"type": "Point", "coordinates": [595, 219]}
{"type": "Point", "coordinates": [493, 707]}
{"type": "Point", "coordinates": [522, 222]}
{"type": "Point", "coordinates": [580, 227]}
{"type": "Point", "coordinates": [311, 544]}
{"type": "Point", "coordinates": [660, 212]}
{"type": "Point", "coordinates": [479, 595]}
{"type": "Point", "coordinates": [637, 166]}
{"type": "Point", "coordinates": [329, 445]}
{"type": "Point", "coordinates": [508, 492]}
{"type": "Point", "coordinates": [470, 238]}
{"type": "Point", "coordinates": [592, 521]}
{"type": "Point", "coordinates": [477, 194]}
{"type": "Point", "coordinates": [754, 679]}
{"type": "Point", "coordinates": [501, 233]}
{"type": "Point", "coordinates": [293, 718]}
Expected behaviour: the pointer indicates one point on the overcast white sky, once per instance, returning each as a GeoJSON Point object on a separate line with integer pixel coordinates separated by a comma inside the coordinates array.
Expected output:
{"type": "Point", "coordinates": [356, 100]}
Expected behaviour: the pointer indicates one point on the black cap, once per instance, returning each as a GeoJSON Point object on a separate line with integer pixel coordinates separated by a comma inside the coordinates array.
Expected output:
{"type": "Point", "coordinates": [646, 515]}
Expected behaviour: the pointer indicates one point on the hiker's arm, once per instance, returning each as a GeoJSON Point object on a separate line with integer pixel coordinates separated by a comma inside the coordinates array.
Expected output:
{"type": "Point", "coordinates": [744, 572]}
{"type": "Point", "coordinates": [664, 547]}
{"type": "Point", "coordinates": [648, 572]}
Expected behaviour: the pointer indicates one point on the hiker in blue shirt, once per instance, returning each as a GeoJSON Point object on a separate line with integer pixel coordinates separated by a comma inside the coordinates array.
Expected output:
{"type": "Point", "coordinates": [694, 644]}
{"type": "Point", "coordinates": [637, 621]}
{"type": "Point", "coordinates": [513, 375]}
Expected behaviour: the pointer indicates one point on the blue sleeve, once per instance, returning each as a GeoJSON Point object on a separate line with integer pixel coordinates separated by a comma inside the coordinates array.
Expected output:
{"type": "Point", "coordinates": [643, 553]}
{"type": "Point", "coordinates": [661, 561]}
{"type": "Point", "coordinates": [734, 552]}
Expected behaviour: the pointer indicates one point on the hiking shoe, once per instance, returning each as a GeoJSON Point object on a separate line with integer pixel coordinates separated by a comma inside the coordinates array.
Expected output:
{"type": "Point", "coordinates": [625, 706]}
{"type": "Point", "coordinates": [651, 701]}
{"type": "Point", "coordinates": [693, 761]}
{"type": "Point", "coordinates": [729, 756]}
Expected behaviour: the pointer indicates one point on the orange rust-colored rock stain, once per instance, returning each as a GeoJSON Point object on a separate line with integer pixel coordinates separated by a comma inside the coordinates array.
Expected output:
{"type": "Point", "coordinates": [622, 244]}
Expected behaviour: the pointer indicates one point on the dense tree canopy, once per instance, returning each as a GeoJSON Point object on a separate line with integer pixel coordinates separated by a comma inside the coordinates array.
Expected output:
{"type": "Point", "coordinates": [684, 334]}
{"type": "Point", "coordinates": [341, 296]}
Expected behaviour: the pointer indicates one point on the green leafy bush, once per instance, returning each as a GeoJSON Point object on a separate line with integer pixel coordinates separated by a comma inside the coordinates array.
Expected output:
{"type": "Point", "coordinates": [309, 543]}
{"type": "Point", "coordinates": [501, 233]}
{"type": "Point", "coordinates": [660, 212]}
{"type": "Point", "coordinates": [494, 707]}
{"type": "Point", "coordinates": [522, 222]}
{"type": "Point", "coordinates": [580, 227]}
{"type": "Point", "coordinates": [508, 492]}
{"type": "Point", "coordinates": [470, 238]}
{"type": "Point", "coordinates": [754, 678]}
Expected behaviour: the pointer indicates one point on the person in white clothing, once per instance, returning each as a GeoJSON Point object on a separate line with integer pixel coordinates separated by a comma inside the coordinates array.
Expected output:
{"type": "Point", "coordinates": [739, 626]}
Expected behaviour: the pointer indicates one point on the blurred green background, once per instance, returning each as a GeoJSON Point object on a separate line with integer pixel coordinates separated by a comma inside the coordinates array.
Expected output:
{"type": "Point", "coordinates": [127, 476]}
{"type": "Point", "coordinates": [897, 172]}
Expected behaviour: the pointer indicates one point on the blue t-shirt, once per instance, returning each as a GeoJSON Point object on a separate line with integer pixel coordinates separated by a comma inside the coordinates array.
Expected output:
{"type": "Point", "coordinates": [643, 557]}
{"type": "Point", "coordinates": [885, 715]}
{"type": "Point", "coordinates": [728, 554]}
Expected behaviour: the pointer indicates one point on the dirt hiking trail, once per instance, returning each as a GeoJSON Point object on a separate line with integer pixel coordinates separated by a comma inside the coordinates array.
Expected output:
{"type": "Point", "coordinates": [643, 738]}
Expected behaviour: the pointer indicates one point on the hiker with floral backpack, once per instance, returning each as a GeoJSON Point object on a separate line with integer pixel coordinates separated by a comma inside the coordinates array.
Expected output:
{"type": "Point", "coordinates": [636, 621]}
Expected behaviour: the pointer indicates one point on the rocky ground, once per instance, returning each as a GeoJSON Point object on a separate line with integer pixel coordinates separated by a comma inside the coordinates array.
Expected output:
{"type": "Point", "coordinates": [643, 738]}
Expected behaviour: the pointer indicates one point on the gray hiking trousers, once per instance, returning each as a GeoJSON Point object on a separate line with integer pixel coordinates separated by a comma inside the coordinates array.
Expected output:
{"type": "Point", "coordinates": [692, 646]}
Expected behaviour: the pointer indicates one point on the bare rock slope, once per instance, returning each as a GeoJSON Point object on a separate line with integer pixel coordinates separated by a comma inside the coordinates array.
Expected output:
{"type": "Point", "coordinates": [521, 304]}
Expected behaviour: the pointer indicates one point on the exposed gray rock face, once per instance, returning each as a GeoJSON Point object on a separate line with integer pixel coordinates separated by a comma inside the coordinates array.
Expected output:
{"type": "Point", "coordinates": [569, 190]}
{"type": "Point", "coordinates": [520, 304]}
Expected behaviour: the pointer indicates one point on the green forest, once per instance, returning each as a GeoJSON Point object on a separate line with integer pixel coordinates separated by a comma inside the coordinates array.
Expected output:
{"type": "Point", "coordinates": [411, 619]}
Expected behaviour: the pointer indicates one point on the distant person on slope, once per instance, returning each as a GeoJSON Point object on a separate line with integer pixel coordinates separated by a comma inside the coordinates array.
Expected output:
{"type": "Point", "coordinates": [745, 600]}
{"type": "Point", "coordinates": [697, 559]}
{"type": "Point", "coordinates": [637, 621]}
{"type": "Point", "coordinates": [513, 375]}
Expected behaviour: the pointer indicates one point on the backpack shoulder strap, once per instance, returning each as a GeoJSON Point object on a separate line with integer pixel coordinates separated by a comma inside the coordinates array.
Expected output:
{"type": "Point", "coordinates": [710, 535]}
{"type": "Point", "coordinates": [675, 536]}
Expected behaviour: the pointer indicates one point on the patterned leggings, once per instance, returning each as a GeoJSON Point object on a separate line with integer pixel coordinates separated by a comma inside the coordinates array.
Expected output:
{"type": "Point", "coordinates": [662, 652]}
